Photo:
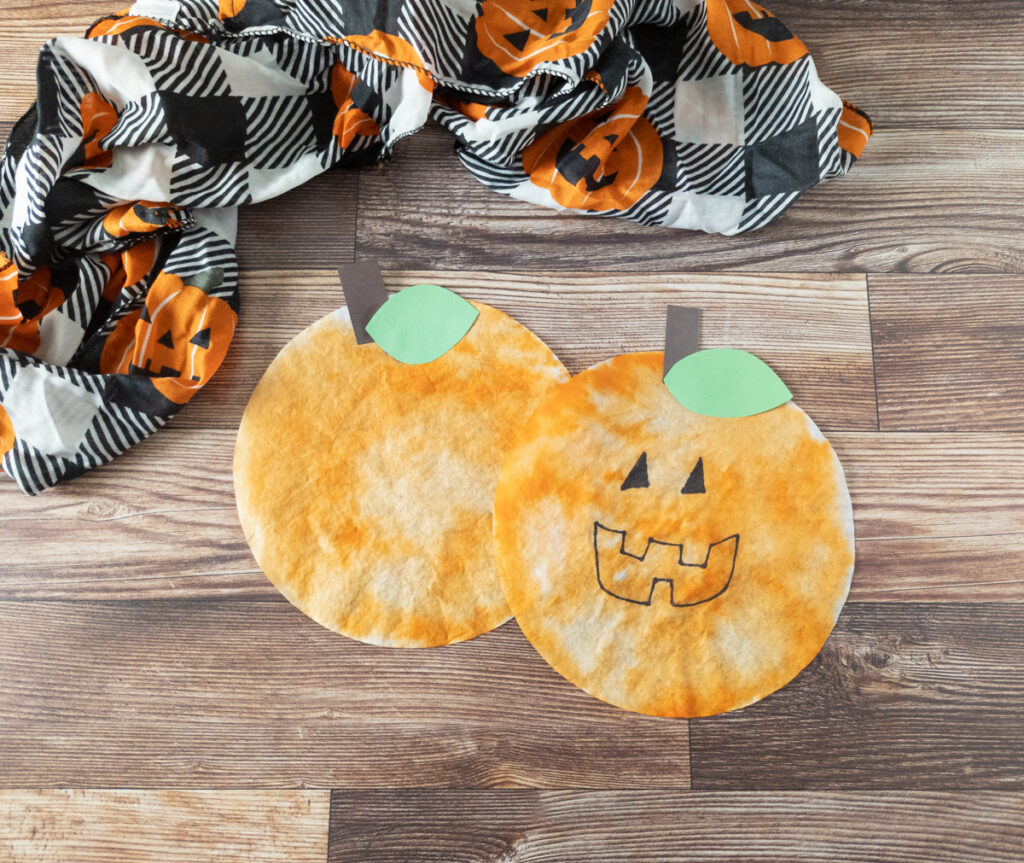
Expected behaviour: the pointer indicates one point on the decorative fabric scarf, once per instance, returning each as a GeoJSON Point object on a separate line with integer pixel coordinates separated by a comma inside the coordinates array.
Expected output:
{"type": "Point", "coordinates": [118, 282]}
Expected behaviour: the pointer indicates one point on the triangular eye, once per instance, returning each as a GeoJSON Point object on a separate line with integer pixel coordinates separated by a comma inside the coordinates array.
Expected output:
{"type": "Point", "coordinates": [637, 477]}
{"type": "Point", "coordinates": [695, 481]}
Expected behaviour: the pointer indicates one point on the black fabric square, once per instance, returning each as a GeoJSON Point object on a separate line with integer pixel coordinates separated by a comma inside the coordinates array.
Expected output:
{"type": "Point", "coordinates": [322, 110]}
{"type": "Point", "coordinates": [210, 130]}
{"type": "Point", "coordinates": [254, 13]}
{"type": "Point", "coordinates": [661, 47]}
{"type": "Point", "coordinates": [137, 391]}
{"type": "Point", "coordinates": [70, 199]}
{"type": "Point", "coordinates": [37, 240]}
{"type": "Point", "coordinates": [784, 163]}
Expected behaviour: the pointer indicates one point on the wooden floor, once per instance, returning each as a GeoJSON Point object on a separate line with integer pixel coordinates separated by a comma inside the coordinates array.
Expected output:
{"type": "Point", "coordinates": [148, 665]}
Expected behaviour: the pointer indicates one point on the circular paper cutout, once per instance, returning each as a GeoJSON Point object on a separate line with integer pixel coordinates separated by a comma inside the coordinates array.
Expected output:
{"type": "Point", "coordinates": [666, 562]}
{"type": "Point", "coordinates": [365, 486]}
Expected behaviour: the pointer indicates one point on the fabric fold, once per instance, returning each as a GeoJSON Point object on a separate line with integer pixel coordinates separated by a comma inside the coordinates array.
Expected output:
{"type": "Point", "coordinates": [118, 191]}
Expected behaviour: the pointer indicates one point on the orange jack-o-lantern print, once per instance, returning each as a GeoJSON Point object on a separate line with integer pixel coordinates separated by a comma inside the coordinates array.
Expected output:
{"type": "Point", "coordinates": [6, 433]}
{"type": "Point", "coordinates": [668, 562]}
{"type": "Point", "coordinates": [98, 120]}
{"type": "Point", "coordinates": [365, 484]}
{"type": "Point", "coordinates": [178, 339]}
{"type": "Point", "coordinates": [749, 35]}
{"type": "Point", "coordinates": [392, 49]}
{"type": "Point", "coordinates": [518, 34]}
{"type": "Point", "coordinates": [23, 305]}
{"type": "Point", "coordinates": [350, 120]}
{"type": "Point", "coordinates": [602, 161]}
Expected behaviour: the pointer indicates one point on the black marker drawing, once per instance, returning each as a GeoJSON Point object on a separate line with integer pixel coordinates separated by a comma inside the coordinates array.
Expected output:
{"type": "Point", "coordinates": [633, 578]}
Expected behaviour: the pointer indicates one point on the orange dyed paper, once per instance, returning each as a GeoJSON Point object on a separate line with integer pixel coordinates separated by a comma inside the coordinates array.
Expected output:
{"type": "Point", "coordinates": [365, 485]}
{"type": "Point", "coordinates": [667, 562]}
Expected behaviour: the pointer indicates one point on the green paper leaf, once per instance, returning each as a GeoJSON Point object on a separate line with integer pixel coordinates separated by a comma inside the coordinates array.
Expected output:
{"type": "Point", "coordinates": [725, 382]}
{"type": "Point", "coordinates": [421, 323]}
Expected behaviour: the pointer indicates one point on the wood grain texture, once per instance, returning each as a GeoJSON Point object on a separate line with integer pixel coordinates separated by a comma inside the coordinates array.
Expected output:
{"type": "Point", "coordinates": [234, 694]}
{"type": "Point", "coordinates": [673, 827]}
{"type": "Point", "coordinates": [982, 568]}
{"type": "Point", "coordinates": [314, 223]}
{"type": "Point", "coordinates": [917, 64]}
{"type": "Point", "coordinates": [812, 329]}
{"type": "Point", "coordinates": [918, 201]}
{"type": "Point", "coordinates": [27, 27]}
{"type": "Point", "coordinates": [901, 696]}
{"type": "Point", "coordinates": [937, 517]}
{"type": "Point", "coordinates": [165, 826]}
{"type": "Point", "coordinates": [949, 352]}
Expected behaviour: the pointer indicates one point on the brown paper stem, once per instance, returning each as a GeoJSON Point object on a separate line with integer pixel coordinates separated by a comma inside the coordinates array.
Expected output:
{"type": "Point", "coordinates": [364, 292]}
{"type": "Point", "coordinates": [682, 335]}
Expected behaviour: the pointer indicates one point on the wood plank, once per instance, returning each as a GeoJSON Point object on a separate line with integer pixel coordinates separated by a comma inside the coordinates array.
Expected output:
{"type": "Point", "coordinates": [672, 827]}
{"type": "Point", "coordinates": [902, 696]}
{"type": "Point", "coordinates": [919, 201]}
{"type": "Point", "coordinates": [929, 76]}
{"type": "Point", "coordinates": [29, 26]}
{"type": "Point", "coordinates": [927, 485]}
{"type": "Point", "coordinates": [215, 694]}
{"type": "Point", "coordinates": [938, 569]}
{"type": "Point", "coordinates": [313, 225]}
{"type": "Point", "coordinates": [164, 826]}
{"type": "Point", "coordinates": [949, 351]}
{"type": "Point", "coordinates": [937, 517]}
{"type": "Point", "coordinates": [813, 329]}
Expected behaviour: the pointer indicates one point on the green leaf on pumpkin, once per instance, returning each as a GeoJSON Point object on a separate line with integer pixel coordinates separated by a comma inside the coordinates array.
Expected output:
{"type": "Point", "coordinates": [725, 382]}
{"type": "Point", "coordinates": [421, 323]}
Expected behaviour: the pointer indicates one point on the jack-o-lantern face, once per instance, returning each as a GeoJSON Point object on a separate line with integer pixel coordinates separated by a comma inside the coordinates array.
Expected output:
{"type": "Point", "coordinates": [750, 35]}
{"type": "Point", "coordinates": [178, 339]}
{"type": "Point", "coordinates": [632, 576]}
{"type": "Point", "coordinates": [519, 34]}
{"type": "Point", "coordinates": [668, 562]}
{"type": "Point", "coordinates": [603, 161]}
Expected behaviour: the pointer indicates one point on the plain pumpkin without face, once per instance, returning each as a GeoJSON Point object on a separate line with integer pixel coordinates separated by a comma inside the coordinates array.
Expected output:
{"type": "Point", "coordinates": [365, 473]}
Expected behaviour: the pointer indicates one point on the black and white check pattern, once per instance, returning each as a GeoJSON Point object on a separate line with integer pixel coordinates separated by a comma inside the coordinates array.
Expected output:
{"type": "Point", "coordinates": [200, 113]}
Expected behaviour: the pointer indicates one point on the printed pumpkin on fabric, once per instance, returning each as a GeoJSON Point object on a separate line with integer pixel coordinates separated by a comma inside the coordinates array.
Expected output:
{"type": "Point", "coordinates": [667, 562]}
{"type": "Point", "coordinates": [365, 485]}
{"type": "Point", "coordinates": [153, 129]}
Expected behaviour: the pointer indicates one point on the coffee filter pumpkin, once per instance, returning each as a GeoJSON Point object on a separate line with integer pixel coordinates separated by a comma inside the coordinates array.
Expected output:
{"type": "Point", "coordinates": [365, 485]}
{"type": "Point", "coordinates": [668, 562]}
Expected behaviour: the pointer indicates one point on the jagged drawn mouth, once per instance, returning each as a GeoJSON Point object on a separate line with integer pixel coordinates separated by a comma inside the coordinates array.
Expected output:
{"type": "Point", "coordinates": [633, 577]}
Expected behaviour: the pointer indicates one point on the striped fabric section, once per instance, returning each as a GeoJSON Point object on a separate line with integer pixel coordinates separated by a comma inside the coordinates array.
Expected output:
{"type": "Point", "coordinates": [118, 191]}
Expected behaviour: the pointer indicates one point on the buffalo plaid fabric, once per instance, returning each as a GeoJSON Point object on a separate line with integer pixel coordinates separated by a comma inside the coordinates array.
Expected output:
{"type": "Point", "coordinates": [118, 191]}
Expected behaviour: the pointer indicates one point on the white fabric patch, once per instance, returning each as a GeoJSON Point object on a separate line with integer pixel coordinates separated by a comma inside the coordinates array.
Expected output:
{"type": "Point", "coordinates": [709, 110]}
{"type": "Point", "coordinates": [125, 77]}
{"type": "Point", "coordinates": [256, 77]}
{"type": "Point", "coordinates": [412, 107]}
{"type": "Point", "coordinates": [223, 221]}
{"type": "Point", "coordinates": [268, 182]}
{"type": "Point", "coordinates": [705, 212]}
{"type": "Point", "coordinates": [59, 338]}
{"type": "Point", "coordinates": [50, 413]}
{"type": "Point", "coordinates": [822, 98]}
{"type": "Point", "coordinates": [166, 10]}
{"type": "Point", "coordinates": [137, 173]}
